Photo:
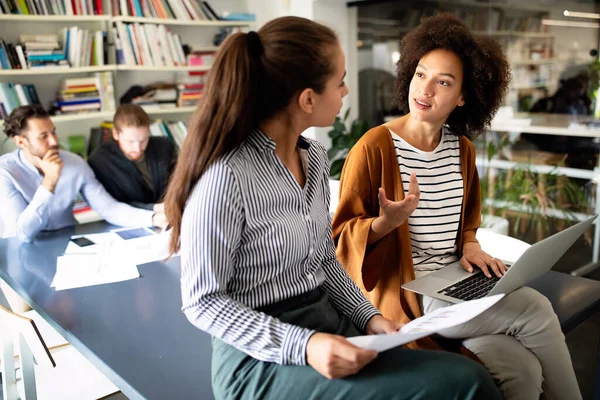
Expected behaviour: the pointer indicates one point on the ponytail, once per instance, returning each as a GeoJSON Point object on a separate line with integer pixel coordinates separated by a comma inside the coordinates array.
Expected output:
{"type": "Point", "coordinates": [254, 76]}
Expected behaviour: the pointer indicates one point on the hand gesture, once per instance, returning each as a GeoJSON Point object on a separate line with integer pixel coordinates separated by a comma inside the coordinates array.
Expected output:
{"type": "Point", "coordinates": [396, 212]}
{"type": "Point", "coordinates": [51, 166]}
{"type": "Point", "coordinates": [334, 356]}
{"type": "Point", "coordinates": [474, 256]}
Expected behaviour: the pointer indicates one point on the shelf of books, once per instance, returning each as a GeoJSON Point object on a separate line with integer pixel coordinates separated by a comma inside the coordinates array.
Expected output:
{"type": "Point", "coordinates": [100, 18]}
{"type": "Point", "coordinates": [150, 68]}
{"type": "Point", "coordinates": [55, 18]}
{"type": "Point", "coordinates": [99, 115]}
{"type": "Point", "coordinates": [57, 70]}
{"type": "Point", "coordinates": [174, 110]}
{"type": "Point", "coordinates": [172, 21]}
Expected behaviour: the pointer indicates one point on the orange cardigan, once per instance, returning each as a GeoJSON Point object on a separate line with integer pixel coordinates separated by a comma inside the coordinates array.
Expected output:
{"type": "Point", "coordinates": [382, 268]}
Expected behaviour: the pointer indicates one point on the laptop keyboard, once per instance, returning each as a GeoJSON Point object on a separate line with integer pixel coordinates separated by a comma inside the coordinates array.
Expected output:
{"type": "Point", "coordinates": [473, 287]}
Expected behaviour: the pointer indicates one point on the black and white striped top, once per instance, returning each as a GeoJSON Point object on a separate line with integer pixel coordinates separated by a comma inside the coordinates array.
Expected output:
{"type": "Point", "coordinates": [434, 224]}
{"type": "Point", "coordinates": [252, 236]}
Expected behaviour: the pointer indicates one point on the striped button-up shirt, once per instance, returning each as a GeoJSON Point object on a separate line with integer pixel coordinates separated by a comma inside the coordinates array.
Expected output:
{"type": "Point", "coordinates": [252, 236]}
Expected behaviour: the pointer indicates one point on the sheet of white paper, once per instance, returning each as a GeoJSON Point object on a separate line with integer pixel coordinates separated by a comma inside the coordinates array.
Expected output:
{"type": "Point", "coordinates": [79, 270]}
{"type": "Point", "coordinates": [138, 251]}
{"type": "Point", "coordinates": [426, 325]}
{"type": "Point", "coordinates": [145, 249]}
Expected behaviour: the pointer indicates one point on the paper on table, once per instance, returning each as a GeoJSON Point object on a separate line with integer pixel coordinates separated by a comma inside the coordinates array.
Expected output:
{"type": "Point", "coordinates": [79, 270]}
{"type": "Point", "coordinates": [426, 325]}
{"type": "Point", "coordinates": [137, 251]}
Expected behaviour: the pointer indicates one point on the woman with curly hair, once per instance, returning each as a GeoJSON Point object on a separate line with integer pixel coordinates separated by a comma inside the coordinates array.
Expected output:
{"type": "Point", "coordinates": [389, 227]}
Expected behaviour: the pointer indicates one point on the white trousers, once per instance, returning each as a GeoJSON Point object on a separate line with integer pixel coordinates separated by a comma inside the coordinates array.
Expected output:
{"type": "Point", "coordinates": [520, 342]}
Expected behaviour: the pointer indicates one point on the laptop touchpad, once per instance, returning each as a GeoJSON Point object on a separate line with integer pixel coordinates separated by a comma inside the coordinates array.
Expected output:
{"type": "Point", "coordinates": [452, 272]}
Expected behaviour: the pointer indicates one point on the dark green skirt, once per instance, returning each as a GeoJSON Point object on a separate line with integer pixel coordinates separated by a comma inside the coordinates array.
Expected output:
{"type": "Point", "coordinates": [395, 374]}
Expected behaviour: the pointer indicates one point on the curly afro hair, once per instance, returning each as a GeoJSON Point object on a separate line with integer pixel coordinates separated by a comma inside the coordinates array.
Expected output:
{"type": "Point", "coordinates": [486, 70]}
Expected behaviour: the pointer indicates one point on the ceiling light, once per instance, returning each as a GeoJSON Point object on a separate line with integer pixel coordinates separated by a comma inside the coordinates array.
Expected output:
{"type": "Point", "coordinates": [577, 14]}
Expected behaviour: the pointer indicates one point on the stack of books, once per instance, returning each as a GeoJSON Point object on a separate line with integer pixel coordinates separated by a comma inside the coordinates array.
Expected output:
{"type": "Point", "coordinates": [189, 94]}
{"type": "Point", "coordinates": [16, 95]}
{"type": "Point", "coordinates": [174, 130]}
{"type": "Point", "coordinates": [158, 97]}
{"type": "Point", "coordinates": [11, 56]}
{"type": "Point", "coordinates": [186, 10]}
{"type": "Point", "coordinates": [79, 48]}
{"type": "Point", "coordinates": [99, 135]}
{"type": "Point", "coordinates": [82, 47]}
{"type": "Point", "coordinates": [53, 7]}
{"type": "Point", "coordinates": [43, 51]}
{"type": "Point", "coordinates": [85, 94]}
{"type": "Point", "coordinates": [148, 45]}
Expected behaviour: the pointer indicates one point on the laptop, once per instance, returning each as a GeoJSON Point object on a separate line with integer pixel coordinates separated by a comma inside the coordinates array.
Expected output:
{"type": "Point", "coordinates": [454, 284]}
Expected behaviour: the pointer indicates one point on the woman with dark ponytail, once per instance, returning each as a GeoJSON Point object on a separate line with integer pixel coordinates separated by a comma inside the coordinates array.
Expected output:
{"type": "Point", "coordinates": [248, 203]}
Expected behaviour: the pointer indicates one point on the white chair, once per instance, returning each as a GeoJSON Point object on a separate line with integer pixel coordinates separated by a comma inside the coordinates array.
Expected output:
{"type": "Point", "coordinates": [61, 372]}
{"type": "Point", "coordinates": [334, 190]}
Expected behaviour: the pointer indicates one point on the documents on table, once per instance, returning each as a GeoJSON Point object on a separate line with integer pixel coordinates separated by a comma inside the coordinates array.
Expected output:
{"type": "Point", "coordinates": [426, 325]}
{"type": "Point", "coordinates": [108, 257]}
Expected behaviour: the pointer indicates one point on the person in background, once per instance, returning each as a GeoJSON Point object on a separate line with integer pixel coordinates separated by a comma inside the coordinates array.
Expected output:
{"type": "Point", "coordinates": [410, 204]}
{"type": "Point", "coordinates": [248, 203]}
{"type": "Point", "coordinates": [38, 182]}
{"type": "Point", "coordinates": [134, 167]}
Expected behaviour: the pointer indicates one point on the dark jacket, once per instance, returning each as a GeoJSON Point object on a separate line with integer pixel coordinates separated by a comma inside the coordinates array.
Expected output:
{"type": "Point", "coordinates": [123, 180]}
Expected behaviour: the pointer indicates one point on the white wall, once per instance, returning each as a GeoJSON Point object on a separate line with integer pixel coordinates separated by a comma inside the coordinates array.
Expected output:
{"type": "Point", "coordinates": [342, 20]}
{"type": "Point", "coordinates": [332, 13]}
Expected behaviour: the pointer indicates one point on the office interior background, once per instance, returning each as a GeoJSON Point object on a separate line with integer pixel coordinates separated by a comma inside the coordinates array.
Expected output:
{"type": "Point", "coordinates": [538, 163]}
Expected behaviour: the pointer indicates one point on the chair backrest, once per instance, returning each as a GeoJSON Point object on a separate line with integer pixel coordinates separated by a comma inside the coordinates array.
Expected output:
{"type": "Point", "coordinates": [23, 332]}
{"type": "Point", "coordinates": [334, 192]}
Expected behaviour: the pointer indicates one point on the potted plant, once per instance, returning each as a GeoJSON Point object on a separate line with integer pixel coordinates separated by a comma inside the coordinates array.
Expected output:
{"type": "Point", "coordinates": [529, 197]}
{"type": "Point", "coordinates": [342, 140]}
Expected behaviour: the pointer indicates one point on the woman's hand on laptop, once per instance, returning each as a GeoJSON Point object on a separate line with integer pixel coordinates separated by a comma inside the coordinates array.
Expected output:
{"type": "Point", "coordinates": [473, 257]}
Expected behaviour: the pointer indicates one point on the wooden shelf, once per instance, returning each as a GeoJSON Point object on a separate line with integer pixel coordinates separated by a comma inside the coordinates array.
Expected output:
{"type": "Point", "coordinates": [54, 71]}
{"type": "Point", "coordinates": [102, 68]}
{"type": "Point", "coordinates": [166, 69]}
{"type": "Point", "coordinates": [100, 18]}
{"type": "Point", "coordinates": [78, 117]}
{"type": "Point", "coordinates": [55, 18]}
{"type": "Point", "coordinates": [175, 110]}
{"type": "Point", "coordinates": [171, 21]}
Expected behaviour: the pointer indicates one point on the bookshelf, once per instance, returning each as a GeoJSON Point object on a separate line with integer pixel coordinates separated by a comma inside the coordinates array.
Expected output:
{"type": "Point", "coordinates": [191, 68]}
{"type": "Point", "coordinates": [108, 18]}
{"type": "Point", "coordinates": [55, 71]}
{"type": "Point", "coordinates": [171, 21]}
{"type": "Point", "coordinates": [198, 34]}
{"type": "Point", "coordinates": [57, 119]}
{"type": "Point", "coordinates": [54, 18]}
{"type": "Point", "coordinates": [170, 111]}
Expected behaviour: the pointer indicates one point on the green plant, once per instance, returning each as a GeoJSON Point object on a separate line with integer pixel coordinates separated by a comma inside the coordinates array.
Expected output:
{"type": "Point", "coordinates": [529, 195]}
{"type": "Point", "coordinates": [342, 140]}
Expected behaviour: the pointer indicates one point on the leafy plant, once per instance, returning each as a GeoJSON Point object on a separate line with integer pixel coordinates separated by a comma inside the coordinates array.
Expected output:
{"type": "Point", "coordinates": [529, 195]}
{"type": "Point", "coordinates": [342, 140]}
